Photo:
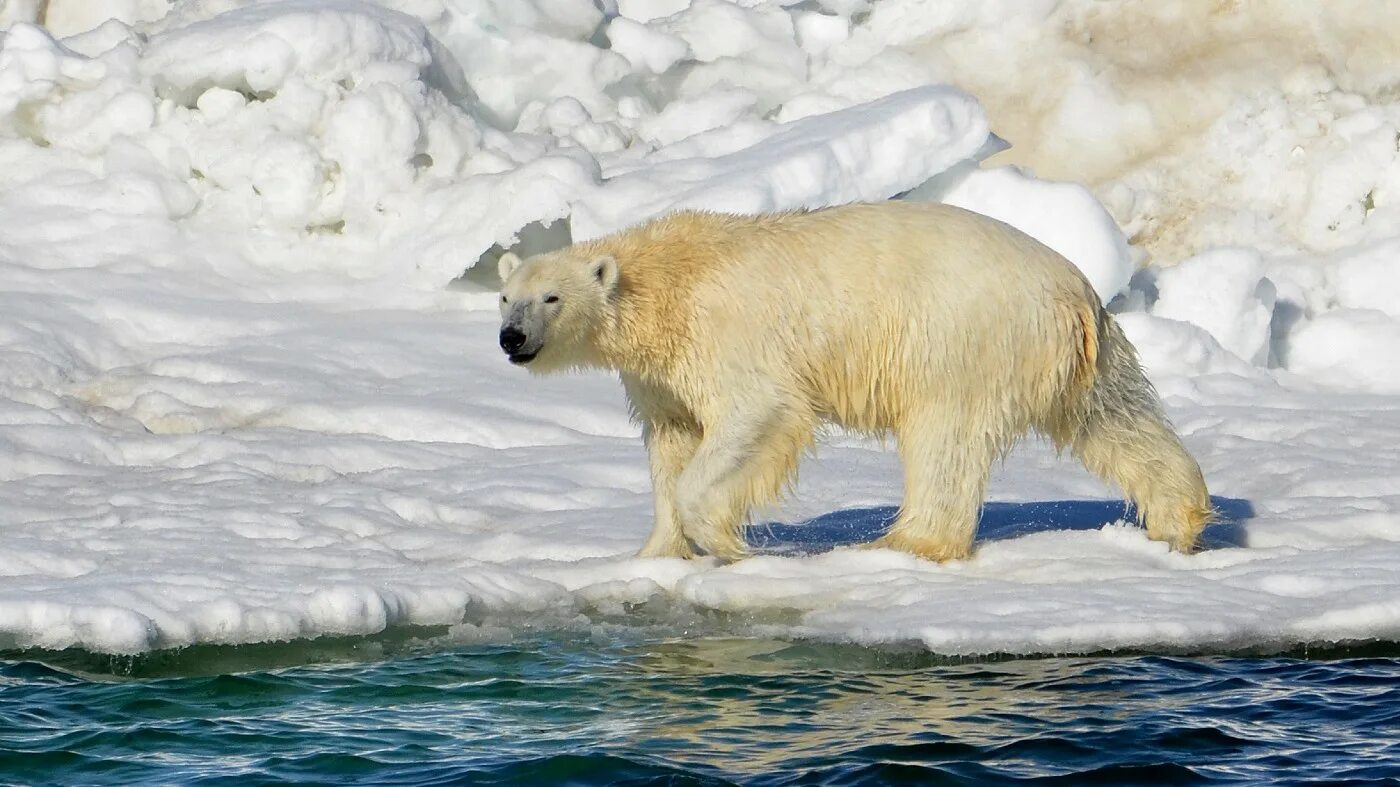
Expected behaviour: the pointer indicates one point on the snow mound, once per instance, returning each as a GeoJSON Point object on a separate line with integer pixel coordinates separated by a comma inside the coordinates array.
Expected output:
{"type": "Point", "coordinates": [1348, 348]}
{"type": "Point", "coordinates": [1226, 293]}
{"type": "Point", "coordinates": [260, 48]}
{"type": "Point", "coordinates": [1369, 278]}
{"type": "Point", "coordinates": [865, 153]}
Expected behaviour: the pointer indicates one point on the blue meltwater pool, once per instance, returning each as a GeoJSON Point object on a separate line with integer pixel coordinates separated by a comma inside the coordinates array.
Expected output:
{"type": "Point", "coordinates": [593, 707]}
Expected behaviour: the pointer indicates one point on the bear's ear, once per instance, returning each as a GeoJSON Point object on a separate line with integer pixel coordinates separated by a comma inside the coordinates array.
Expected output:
{"type": "Point", "coordinates": [604, 269]}
{"type": "Point", "coordinates": [506, 265]}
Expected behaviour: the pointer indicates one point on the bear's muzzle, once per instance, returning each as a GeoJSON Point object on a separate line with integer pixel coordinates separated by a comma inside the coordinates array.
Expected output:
{"type": "Point", "coordinates": [512, 341]}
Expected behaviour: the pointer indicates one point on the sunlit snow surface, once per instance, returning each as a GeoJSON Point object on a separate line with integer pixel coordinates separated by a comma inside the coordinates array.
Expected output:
{"type": "Point", "coordinates": [240, 402]}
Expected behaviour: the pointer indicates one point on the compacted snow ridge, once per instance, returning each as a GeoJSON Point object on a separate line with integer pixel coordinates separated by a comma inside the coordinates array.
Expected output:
{"type": "Point", "coordinates": [249, 385]}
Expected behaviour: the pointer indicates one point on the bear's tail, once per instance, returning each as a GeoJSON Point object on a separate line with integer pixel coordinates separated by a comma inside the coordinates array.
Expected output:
{"type": "Point", "coordinates": [1121, 434]}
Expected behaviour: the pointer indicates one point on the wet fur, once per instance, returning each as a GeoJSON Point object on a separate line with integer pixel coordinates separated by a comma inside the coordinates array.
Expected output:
{"type": "Point", "coordinates": [737, 337]}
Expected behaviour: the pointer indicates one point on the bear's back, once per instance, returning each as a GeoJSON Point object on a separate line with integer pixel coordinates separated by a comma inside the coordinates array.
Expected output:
{"type": "Point", "coordinates": [863, 305]}
{"type": "Point", "coordinates": [851, 305]}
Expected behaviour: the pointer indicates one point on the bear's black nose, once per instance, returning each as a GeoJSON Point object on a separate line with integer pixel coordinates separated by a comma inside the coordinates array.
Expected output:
{"type": "Point", "coordinates": [512, 339]}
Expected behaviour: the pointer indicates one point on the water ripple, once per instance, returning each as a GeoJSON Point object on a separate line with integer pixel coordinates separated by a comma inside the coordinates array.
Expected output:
{"type": "Point", "coordinates": [703, 712]}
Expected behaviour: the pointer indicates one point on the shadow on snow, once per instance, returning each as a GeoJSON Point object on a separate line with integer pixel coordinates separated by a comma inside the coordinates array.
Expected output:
{"type": "Point", "coordinates": [853, 526]}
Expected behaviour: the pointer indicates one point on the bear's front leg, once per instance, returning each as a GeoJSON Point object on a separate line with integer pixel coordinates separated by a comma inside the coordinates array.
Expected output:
{"type": "Point", "coordinates": [670, 446]}
{"type": "Point", "coordinates": [743, 461]}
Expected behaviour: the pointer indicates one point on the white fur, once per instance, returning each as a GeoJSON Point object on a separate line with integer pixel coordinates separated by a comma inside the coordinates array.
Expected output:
{"type": "Point", "coordinates": [737, 336]}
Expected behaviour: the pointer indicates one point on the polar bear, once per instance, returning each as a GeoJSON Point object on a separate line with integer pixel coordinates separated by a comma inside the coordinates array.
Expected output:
{"type": "Point", "coordinates": [737, 336]}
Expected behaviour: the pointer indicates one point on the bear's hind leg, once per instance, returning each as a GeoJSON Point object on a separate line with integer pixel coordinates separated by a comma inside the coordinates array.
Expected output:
{"type": "Point", "coordinates": [946, 465]}
{"type": "Point", "coordinates": [1117, 428]}
{"type": "Point", "coordinates": [1134, 447]}
{"type": "Point", "coordinates": [670, 446]}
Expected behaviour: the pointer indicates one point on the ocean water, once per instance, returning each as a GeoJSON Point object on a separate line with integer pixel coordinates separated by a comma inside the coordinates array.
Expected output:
{"type": "Point", "coordinates": [599, 707]}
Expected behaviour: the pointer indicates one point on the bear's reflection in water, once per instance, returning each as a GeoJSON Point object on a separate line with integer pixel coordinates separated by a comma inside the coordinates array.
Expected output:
{"type": "Point", "coordinates": [767, 706]}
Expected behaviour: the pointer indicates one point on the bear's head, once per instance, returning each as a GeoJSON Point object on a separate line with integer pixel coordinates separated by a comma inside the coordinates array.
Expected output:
{"type": "Point", "coordinates": [552, 305]}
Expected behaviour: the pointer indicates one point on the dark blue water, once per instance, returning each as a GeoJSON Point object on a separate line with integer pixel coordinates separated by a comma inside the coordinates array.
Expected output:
{"type": "Point", "coordinates": [581, 709]}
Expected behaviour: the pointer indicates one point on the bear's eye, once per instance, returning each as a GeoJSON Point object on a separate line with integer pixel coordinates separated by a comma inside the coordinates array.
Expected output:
{"type": "Point", "coordinates": [503, 299]}
{"type": "Point", "coordinates": [552, 299]}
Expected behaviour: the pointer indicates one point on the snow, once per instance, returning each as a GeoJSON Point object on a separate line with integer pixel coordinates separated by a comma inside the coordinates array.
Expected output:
{"type": "Point", "coordinates": [1370, 279]}
{"type": "Point", "coordinates": [1348, 348]}
{"type": "Point", "coordinates": [876, 150]}
{"type": "Point", "coordinates": [1225, 292]}
{"type": "Point", "coordinates": [248, 394]}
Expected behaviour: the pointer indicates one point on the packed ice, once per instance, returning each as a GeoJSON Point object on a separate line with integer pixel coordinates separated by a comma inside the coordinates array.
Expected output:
{"type": "Point", "coordinates": [249, 387]}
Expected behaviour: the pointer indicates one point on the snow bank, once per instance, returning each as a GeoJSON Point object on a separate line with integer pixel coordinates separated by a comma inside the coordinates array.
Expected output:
{"type": "Point", "coordinates": [352, 133]}
{"type": "Point", "coordinates": [238, 403]}
{"type": "Point", "coordinates": [1249, 124]}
